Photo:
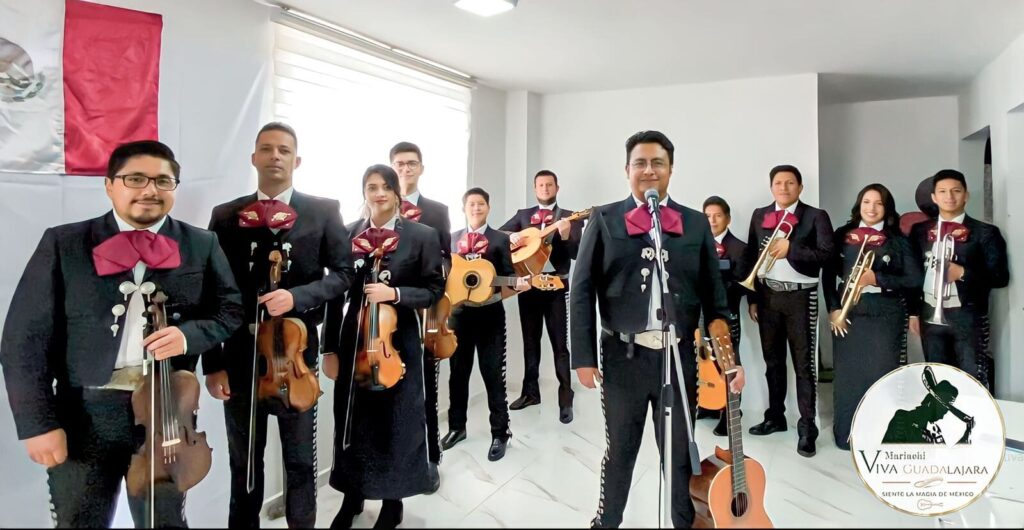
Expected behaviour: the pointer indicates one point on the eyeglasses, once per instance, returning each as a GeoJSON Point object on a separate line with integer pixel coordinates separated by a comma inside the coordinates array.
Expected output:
{"type": "Point", "coordinates": [139, 181]}
{"type": "Point", "coordinates": [412, 164]}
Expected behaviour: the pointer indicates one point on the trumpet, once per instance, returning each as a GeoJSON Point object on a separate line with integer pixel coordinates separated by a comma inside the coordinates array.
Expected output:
{"type": "Point", "coordinates": [765, 259]}
{"type": "Point", "coordinates": [940, 287]}
{"type": "Point", "coordinates": [852, 289]}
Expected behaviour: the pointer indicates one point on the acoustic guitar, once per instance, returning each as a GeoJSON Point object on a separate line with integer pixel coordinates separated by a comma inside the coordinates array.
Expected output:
{"type": "Point", "coordinates": [473, 281]}
{"type": "Point", "coordinates": [535, 247]}
{"type": "Point", "coordinates": [710, 383]}
{"type": "Point", "coordinates": [729, 492]}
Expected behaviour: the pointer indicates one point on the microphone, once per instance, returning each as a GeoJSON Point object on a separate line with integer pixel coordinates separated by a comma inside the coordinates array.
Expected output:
{"type": "Point", "coordinates": [651, 198]}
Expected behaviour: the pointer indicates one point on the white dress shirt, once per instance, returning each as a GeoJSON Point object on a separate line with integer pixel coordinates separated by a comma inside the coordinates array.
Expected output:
{"type": "Point", "coordinates": [929, 270]}
{"type": "Point", "coordinates": [653, 322]}
{"type": "Point", "coordinates": [782, 271]}
{"type": "Point", "coordinates": [413, 197]}
{"type": "Point", "coordinates": [129, 353]}
{"type": "Point", "coordinates": [548, 267]}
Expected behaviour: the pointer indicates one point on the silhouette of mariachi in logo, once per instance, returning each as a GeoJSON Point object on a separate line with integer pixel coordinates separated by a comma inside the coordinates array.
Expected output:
{"type": "Point", "coordinates": [920, 425]}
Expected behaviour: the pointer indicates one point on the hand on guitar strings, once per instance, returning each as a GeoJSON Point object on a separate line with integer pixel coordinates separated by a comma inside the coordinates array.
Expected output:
{"type": "Point", "coordinates": [523, 283]}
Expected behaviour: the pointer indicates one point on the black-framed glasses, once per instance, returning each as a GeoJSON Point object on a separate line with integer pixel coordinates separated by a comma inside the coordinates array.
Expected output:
{"type": "Point", "coordinates": [412, 164]}
{"type": "Point", "coordinates": [140, 181]}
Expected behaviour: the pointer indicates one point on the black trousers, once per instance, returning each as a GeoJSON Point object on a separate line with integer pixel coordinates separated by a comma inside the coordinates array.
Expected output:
{"type": "Point", "coordinates": [298, 443]}
{"type": "Point", "coordinates": [963, 343]}
{"type": "Point", "coordinates": [431, 369]}
{"type": "Point", "coordinates": [102, 438]}
{"type": "Point", "coordinates": [480, 330]}
{"type": "Point", "coordinates": [790, 318]}
{"type": "Point", "coordinates": [537, 308]}
{"type": "Point", "coordinates": [631, 390]}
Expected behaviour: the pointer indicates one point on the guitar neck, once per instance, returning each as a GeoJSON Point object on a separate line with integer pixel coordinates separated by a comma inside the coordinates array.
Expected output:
{"type": "Point", "coordinates": [739, 465]}
{"type": "Point", "coordinates": [504, 281]}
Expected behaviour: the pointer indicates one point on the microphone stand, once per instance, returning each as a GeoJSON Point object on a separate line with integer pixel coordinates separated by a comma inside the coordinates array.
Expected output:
{"type": "Point", "coordinates": [670, 343]}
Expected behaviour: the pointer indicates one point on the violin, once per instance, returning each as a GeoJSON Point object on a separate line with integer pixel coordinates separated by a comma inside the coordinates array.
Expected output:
{"type": "Point", "coordinates": [280, 342]}
{"type": "Point", "coordinates": [378, 362]}
{"type": "Point", "coordinates": [438, 338]}
{"type": "Point", "coordinates": [165, 405]}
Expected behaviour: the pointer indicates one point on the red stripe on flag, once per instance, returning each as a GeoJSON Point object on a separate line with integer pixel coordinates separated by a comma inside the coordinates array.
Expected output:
{"type": "Point", "coordinates": [111, 82]}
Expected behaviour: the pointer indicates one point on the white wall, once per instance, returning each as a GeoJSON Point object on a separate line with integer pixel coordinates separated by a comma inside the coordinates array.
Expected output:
{"type": "Point", "coordinates": [727, 136]}
{"type": "Point", "coordinates": [993, 100]}
{"type": "Point", "coordinates": [214, 75]}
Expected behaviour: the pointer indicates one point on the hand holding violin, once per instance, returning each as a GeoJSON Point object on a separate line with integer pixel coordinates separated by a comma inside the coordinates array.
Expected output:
{"type": "Point", "coordinates": [164, 343]}
{"type": "Point", "coordinates": [378, 293]}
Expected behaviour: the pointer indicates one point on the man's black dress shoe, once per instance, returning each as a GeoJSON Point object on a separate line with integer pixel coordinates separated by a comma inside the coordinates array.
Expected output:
{"type": "Point", "coordinates": [351, 506]}
{"type": "Point", "coordinates": [435, 478]}
{"type": "Point", "coordinates": [497, 450]}
{"type": "Point", "coordinates": [523, 402]}
{"type": "Point", "coordinates": [390, 514]}
{"type": "Point", "coordinates": [767, 427]}
{"type": "Point", "coordinates": [565, 414]}
{"type": "Point", "coordinates": [805, 446]}
{"type": "Point", "coordinates": [452, 438]}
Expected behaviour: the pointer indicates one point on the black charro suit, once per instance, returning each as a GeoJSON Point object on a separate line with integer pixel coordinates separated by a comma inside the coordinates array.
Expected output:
{"type": "Point", "coordinates": [435, 215]}
{"type": "Point", "coordinates": [58, 331]}
{"type": "Point", "coordinates": [318, 241]}
{"type": "Point", "coordinates": [538, 307]}
{"type": "Point", "coordinates": [609, 273]}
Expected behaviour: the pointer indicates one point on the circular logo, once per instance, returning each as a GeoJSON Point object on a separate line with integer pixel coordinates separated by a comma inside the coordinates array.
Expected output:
{"type": "Point", "coordinates": [927, 439]}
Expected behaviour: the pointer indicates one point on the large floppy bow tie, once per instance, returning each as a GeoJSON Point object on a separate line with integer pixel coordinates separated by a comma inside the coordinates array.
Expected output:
{"type": "Point", "coordinates": [772, 220]}
{"type": "Point", "coordinates": [121, 252]}
{"type": "Point", "coordinates": [472, 243]}
{"type": "Point", "coordinates": [542, 216]}
{"type": "Point", "coordinates": [375, 241]}
{"type": "Point", "coordinates": [271, 213]}
{"type": "Point", "coordinates": [720, 249]}
{"type": "Point", "coordinates": [858, 236]}
{"type": "Point", "coordinates": [410, 211]}
{"type": "Point", "coordinates": [638, 221]}
{"type": "Point", "coordinates": [959, 232]}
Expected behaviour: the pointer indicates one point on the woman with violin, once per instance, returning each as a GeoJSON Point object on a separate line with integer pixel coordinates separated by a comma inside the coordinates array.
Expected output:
{"type": "Point", "coordinates": [874, 266]}
{"type": "Point", "coordinates": [79, 319]}
{"type": "Point", "coordinates": [380, 421]}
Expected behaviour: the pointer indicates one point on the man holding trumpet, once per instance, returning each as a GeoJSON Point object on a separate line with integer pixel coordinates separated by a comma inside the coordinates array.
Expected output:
{"type": "Point", "coordinates": [964, 259]}
{"type": "Point", "coordinates": [796, 240]}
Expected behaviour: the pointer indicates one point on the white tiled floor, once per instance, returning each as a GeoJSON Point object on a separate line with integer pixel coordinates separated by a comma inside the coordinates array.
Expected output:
{"type": "Point", "coordinates": [549, 478]}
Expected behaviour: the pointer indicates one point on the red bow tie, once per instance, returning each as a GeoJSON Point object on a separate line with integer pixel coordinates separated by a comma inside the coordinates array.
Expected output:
{"type": "Point", "coordinates": [121, 252]}
{"type": "Point", "coordinates": [269, 213]}
{"type": "Point", "coordinates": [772, 220]}
{"type": "Point", "coordinates": [410, 211]}
{"type": "Point", "coordinates": [720, 248]}
{"type": "Point", "coordinates": [542, 216]}
{"type": "Point", "coordinates": [959, 232]}
{"type": "Point", "coordinates": [375, 241]}
{"type": "Point", "coordinates": [472, 243]}
{"type": "Point", "coordinates": [638, 221]}
{"type": "Point", "coordinates": [857, 236]}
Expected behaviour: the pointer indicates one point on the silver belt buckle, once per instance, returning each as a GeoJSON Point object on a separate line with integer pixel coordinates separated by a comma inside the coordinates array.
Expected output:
{"type": "Point", "coordinates": [649, 339]}
{"type": "Point", "coordinates": [775, 285]}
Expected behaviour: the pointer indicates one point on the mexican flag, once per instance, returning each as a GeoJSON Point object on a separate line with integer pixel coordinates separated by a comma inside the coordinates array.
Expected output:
{"type": "Point", "coordinates": [76, 79]}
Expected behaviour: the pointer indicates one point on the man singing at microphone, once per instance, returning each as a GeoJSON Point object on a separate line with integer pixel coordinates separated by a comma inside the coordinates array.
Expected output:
{"type": "Point", "coordinates": [615, 269]}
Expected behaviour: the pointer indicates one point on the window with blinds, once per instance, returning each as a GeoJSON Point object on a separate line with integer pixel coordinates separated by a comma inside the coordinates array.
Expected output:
{"type": "Point", "coordinates": [349, 108]}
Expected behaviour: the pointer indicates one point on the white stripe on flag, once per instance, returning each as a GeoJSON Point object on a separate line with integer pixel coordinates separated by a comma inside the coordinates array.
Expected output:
{"type": "Point", "coordinates": [31, 86]}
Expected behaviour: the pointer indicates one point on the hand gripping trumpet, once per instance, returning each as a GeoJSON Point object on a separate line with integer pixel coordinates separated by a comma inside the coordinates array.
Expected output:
{"type": "Point", "coordinates": [852, 288]}
{"type": "Point", "coordinates": [766, 260]}
{"type": "Point", "coordinates": [940, 287]}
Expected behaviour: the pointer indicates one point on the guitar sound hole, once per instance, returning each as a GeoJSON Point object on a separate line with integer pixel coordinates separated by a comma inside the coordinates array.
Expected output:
{"type": "Point", "coordinates": [739, 505]}
{"type": "Point", "coordinates": [472, 281]}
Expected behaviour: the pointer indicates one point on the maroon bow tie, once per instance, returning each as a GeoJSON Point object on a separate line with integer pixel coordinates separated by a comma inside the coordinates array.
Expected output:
{"type": "Point", "coordinates": [542, 216]}
{"type": "Point", "coordinates": [772, 220]}
{"type": "Point", "coordinates": [271, 213]}
{"type": "Point", "coordinates": [858, 236]}
{"type": "Point", "coordinates": [959, 232]}
{"type": "Point", "coordinates": [375, 241]}
{"type": "Point", "coordinates": [720, 248]}
{"type": "Point", "coordinates": [410, 211]}
{"type": "Point", "coordinates": [472, 243]}
{"type": "Point", "coordinates": [638, 221]}
{"type": "Point", "coordinates": [122, 251]}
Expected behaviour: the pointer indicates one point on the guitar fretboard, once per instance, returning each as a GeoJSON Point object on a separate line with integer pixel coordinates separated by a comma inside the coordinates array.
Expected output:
{"type": "Point", "coordinates": [739, 465]}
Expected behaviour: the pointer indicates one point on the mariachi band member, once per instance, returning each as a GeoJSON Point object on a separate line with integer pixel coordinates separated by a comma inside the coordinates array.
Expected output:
{"type": "Point", "coordinates": [871, 337]}
{"type": "Point", "coordinates": [407, 161]}
{"type": "Point", "coordinates": [380, 444]}
{"type": "Point", "coordinates": [978, 264]}
{"type": "Point", "coordinates": [481, 329]}
{"type": "Point", "coordinates": [615, 270]}
{"type": "Point", "coordinates": [77, 320]}
{"type": "Point", "coordinates": [730, 251]}
{"type": "Point", "coordinates": [785, 300]}
{"type": "Point", "coordinates": [537, 307]}
{"type": "Point", "coordinates": [309, 231]}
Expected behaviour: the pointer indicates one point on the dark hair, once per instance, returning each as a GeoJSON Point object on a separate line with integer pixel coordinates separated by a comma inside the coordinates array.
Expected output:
{"type": "Point", "coordinates": [476, 191]}
{"type": "Point", "coordinates": [545, 173]}
{"type": "Point", "coordinates": [785, 168]}
{"type": "Point", "coordinates": [947, 174]}
{"type": "Point", "coordinates": [125, 152]}
{"type": "Point", "coordinates": [715, 200]}
{"type": "Point", "coordinates": [386, 173]}
{"type": "Point", "coordinates": [405, 147]}
{"type": "Point", "coordinates": [279, 126]}
{"type": "Point", "coordinates": [650, 137]}
{"type": "Point", "coordinates": [891, 219]}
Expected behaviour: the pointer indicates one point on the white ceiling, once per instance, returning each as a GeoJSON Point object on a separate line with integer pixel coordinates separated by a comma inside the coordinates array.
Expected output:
{"type": "Point", "coordinates": [865, 49]}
